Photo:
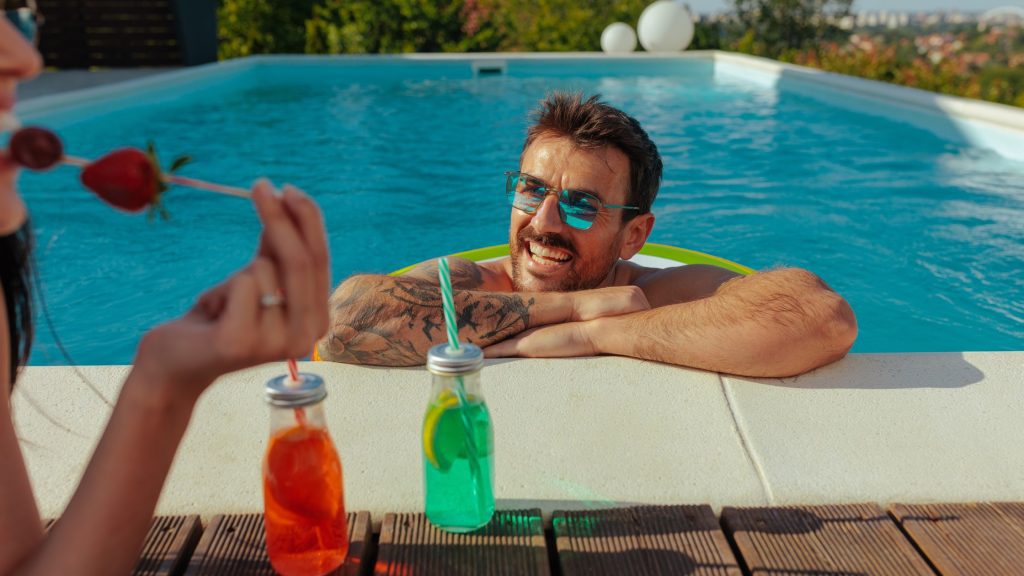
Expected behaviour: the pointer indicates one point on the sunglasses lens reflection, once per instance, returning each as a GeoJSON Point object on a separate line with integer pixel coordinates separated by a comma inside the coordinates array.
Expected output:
{"type": "Point", "coordinates": [577, 209]}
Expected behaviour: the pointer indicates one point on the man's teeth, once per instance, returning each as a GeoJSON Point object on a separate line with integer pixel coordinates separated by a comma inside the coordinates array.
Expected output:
{"type": "Point", "coordinates": [543, 252]}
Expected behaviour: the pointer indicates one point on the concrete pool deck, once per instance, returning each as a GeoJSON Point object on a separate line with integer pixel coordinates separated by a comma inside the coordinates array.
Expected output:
{"type": "Point", "coordinates": [52, 82]}
{"type": "Point", "coordinates": [593, 432]}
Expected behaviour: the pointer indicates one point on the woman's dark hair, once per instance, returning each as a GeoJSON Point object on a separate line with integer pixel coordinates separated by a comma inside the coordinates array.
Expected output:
{"type": "Point", "coordinates": [15, 275]}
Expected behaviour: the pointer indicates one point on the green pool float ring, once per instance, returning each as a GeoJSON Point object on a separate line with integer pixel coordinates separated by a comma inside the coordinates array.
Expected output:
{"type": "Point", "coordinates": [651, 255]}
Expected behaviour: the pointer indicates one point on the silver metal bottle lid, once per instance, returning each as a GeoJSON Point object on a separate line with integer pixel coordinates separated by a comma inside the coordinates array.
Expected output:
{"type": "Point", "coordinates": [447, 361]}
{"type": "Point", "coordinates": [284, 393]}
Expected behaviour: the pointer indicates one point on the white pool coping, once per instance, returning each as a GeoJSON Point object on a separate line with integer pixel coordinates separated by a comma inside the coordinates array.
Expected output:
{"type": "Point", "coordinates": [593, 432]}
{"type": "Point", "coordinates": [977, 123]}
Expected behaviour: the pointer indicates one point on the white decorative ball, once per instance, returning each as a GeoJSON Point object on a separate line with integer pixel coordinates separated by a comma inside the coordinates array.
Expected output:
{"type": "Point", "coordinates": [618, 38]}
{"type": "Point", "coordinates": [665, 26]}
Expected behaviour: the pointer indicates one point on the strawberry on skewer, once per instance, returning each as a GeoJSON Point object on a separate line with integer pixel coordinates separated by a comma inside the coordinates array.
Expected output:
{"type": "Point", "coordinates": [127, 178]}
{"type": "Point", "coordinates": [175, 179]}
{"type": "Point", "coordinates": [130, 179]}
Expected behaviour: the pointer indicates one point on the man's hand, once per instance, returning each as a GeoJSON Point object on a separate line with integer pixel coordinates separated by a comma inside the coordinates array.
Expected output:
{"type": "Point", "coordinates": [567, 340]}
{"type": "Point", "coordinates": [575, 337]}
{"type": "Point", "coordinates": [770, 324]}
{"type": "Point", "coordinates": [601, 302]}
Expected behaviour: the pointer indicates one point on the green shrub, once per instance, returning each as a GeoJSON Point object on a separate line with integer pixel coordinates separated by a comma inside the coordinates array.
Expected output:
{"type": "Point", "coordinates": [262, 26]}
{"type": "Point", "coordinates": [381, 26]}
{"type": "Point", "coordinates": [558, 25]}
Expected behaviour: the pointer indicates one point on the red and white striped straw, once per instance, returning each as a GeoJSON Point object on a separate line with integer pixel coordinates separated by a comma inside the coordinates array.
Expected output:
{"type": "Point", "coordinates": [293, 369]}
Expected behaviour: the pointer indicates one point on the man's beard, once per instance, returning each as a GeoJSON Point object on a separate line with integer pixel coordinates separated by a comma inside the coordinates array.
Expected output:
{"type": "Point", "coordinates": [580, 276]}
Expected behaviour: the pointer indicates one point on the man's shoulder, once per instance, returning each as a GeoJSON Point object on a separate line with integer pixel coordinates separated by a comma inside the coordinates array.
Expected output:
{"type": "Point", "coordinates": [496, 275]}
{"type": "Point", "coordinates": [628, 273]}
{"type": "Point", "coordinates": [466, 274]}
{"type": "Point", "coordinates": [682, 283]}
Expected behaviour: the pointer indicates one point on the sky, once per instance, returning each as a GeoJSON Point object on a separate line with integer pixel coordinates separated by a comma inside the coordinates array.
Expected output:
{"type": "Point", "coordinates": [891, 5]}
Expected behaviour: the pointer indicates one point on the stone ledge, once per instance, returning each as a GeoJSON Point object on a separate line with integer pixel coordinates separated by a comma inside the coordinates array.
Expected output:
{"type": "Point", "coordinates": [592, 432]}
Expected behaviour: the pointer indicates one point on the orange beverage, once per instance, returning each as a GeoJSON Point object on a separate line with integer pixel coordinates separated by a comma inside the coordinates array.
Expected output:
{"type": "Point", "coordinates": [303, 495]}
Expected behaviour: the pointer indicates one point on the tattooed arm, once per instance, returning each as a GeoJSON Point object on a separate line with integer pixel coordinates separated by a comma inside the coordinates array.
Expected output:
{"type": "Point", "coordinates": [771, 324]}
{"type": "Point", "coordinates": [394, 320]}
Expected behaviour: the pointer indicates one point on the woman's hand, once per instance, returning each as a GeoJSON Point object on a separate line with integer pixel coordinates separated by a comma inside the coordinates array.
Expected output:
{"type": "Point", "coordinates": [273, 309]}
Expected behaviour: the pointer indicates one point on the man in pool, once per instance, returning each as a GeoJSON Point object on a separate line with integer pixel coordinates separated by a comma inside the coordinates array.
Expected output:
{"type": "Point", "coordinates": [581, 207]}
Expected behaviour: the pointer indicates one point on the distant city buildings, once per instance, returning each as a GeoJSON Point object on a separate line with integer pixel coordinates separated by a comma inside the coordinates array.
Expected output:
{"type": "Point", "coordinates": [1009, 15]}
{"type": "Point", "coordinates": [888, 19]}
{"type": "Point", "coordinates": [972, 54]}
{"type": "Point", "coordinates": [873, 19]}
{"type": "Point", "coordinates": [942, 37]}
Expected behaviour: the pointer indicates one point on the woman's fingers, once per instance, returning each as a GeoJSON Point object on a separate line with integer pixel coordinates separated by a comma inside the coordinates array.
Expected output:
{"type": "Point", "coordinates": [211, 303]}
{"type": "Point", "coordinates": [237, 330]}
{"type": "Point", "coordinates": [308, 218]}
{"type": "Point", "coordinates": [283, 244]}
{"type": "Point", "coordinates": [273, 336]}
{"type": "Point", "coordinates": [273, 309]}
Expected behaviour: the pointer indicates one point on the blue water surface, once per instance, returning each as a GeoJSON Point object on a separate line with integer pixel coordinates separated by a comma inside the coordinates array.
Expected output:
{"type": "Point", "coordinates": [924, 236]}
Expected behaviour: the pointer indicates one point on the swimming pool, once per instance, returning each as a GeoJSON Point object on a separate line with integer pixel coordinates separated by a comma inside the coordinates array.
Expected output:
{"type": "Point", "coordinates": [920, 231]}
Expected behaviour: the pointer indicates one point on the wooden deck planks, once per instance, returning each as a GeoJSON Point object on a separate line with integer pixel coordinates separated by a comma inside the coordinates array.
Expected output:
{"type": "Point", "coordinates": [235, 544]}
{"type": "Point", "coordinates": [168, 546]}
{"type": "Point", "coordinates": [513, 544]}
{"type": "Point", "coordinates": [846, 540]}
{"type": "Point", "coordinates": [967, 539]}
{"type": "Point", "coordinates": [649, 540]}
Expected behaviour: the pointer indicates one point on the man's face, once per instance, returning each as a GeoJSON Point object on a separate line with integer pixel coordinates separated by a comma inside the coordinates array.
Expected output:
{"type": "Point", "coordinates": [549, 255]}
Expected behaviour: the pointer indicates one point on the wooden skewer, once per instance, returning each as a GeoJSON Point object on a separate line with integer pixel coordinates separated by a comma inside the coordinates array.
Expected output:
{"type": "Point", "coordinates": [180, 180]}
{"type": "Point", "coordinates": [204, 185]}
{"type": "Point", "coordinates": [75, 161]}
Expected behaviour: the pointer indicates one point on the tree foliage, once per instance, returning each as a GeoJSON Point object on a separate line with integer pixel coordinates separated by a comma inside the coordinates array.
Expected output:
{"type": "Point", "coordinates": [262, 26]}
{"type": "Point", "coordinates": [557, 25]}
{"type": "Point", "coordinates": [388, 26]}
{"type": "Point", "coordinates": [382, 26]}
{"type": "Point", "coordinates": [774, 27]}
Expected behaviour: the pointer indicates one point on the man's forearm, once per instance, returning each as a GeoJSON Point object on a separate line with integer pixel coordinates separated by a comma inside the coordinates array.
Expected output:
{"type": "Point", "coordinates": [773, 324]}
{"type": "Point", "coordinates": [393, 321]}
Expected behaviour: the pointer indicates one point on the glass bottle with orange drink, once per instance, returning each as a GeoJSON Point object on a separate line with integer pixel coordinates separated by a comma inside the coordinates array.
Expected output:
{"type": "Point", "coordinates": [304, 502]}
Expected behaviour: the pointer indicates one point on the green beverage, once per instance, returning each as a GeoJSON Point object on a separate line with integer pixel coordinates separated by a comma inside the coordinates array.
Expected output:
{"type": "Point", "coordinates": [458, 443]}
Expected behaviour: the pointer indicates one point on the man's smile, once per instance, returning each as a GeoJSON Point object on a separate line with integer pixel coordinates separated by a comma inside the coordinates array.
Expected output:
{"type": "Point", "coordinates": [547, 256]}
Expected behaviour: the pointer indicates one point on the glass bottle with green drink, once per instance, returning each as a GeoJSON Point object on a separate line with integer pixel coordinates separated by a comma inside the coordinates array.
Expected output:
{"type": "Point", "coordinates": [458, 441]}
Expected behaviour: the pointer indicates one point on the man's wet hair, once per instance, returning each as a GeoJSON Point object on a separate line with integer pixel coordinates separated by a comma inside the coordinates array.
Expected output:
{"type": "Point", "coordinates": [593, 124]}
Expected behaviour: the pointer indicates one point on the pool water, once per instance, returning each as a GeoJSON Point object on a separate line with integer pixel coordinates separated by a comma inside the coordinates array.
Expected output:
{"type": "Point", "coordinates": [924, 236]}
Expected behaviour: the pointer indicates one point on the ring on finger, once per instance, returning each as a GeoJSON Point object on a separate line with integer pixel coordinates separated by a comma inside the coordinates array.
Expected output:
{"type": "Point", "coordinates": [269, 300]}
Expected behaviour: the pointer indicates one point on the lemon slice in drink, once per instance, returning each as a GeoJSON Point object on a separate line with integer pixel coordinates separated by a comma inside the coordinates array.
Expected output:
{"type": "Point", "coordinates": [438, 417]}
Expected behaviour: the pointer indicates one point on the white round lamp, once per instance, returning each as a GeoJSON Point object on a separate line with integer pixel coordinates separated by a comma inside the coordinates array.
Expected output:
{"type": "Point", "coordinates": [618, 38]}
{"type": "Point", "coordinates": [665, 26]}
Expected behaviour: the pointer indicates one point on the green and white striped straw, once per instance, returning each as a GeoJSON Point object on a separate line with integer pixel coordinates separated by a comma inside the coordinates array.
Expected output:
{"type": "Point", "coordinates": [452, 326]}
{"type": "Point", "coordinates": [448, 303]}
